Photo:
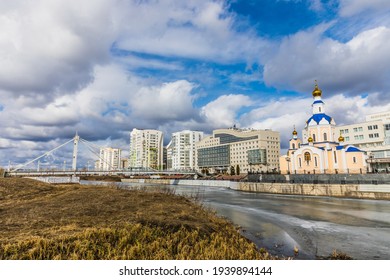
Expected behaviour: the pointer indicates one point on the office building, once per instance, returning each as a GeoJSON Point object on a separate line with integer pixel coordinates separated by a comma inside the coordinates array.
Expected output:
{"type": "Point", "coordinates": [236, 150]}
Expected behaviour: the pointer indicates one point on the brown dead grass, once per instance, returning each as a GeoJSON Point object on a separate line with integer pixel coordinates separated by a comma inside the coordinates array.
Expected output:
{"type": "Point", "coordinates": [43, 221]}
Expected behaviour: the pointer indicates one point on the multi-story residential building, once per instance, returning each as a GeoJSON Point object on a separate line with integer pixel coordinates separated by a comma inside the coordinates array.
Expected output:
{"type": "Point", "coordinates": [109, 159]}
{"type": "Point", "coordinates": [146, 149]}
{"type": "Point", "coordinates": [246, 150]}
{"type": "Point", "coordinates": [373, 137]}
{"type": "Point", "coordinates": [181, 149]}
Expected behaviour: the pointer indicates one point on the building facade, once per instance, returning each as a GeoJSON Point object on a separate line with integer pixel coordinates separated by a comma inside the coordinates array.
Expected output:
{"type": "Point", "coordinates": [146, 149]}
{"type": "Point", "coordinates": [181, 152]}
{"type": "Point", "coordinates": [372, 136]}
{"type": "Point", "coordinates": [239, 150]}
{"type": "Point", "coordinates": [322, 149]}
{"type": "Point", "coordinates": [109, 159]}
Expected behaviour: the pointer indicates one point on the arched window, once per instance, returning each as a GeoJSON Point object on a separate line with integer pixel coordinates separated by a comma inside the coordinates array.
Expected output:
{"type": "Point", "coordinates": [325, 137]}
{"type": "Point", "coordinates": [307, 156]}
{"type": "Point", "coordinates": [315, 161]}
{"type": "Point", "coordinates": [293, 146]}
{"type": "Point", "coordinates": [300, 162]}
{"type": "Point", "coordinates": [314, 137]}
{"type": "Point", "coordinates": [354, 159]}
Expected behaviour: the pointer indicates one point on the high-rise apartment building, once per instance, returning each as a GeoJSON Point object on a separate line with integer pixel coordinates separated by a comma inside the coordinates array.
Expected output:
{"type": "Point", "coordinates": [249, 150]}
{"type": "Point", "coordinates": [181, 152]}
{"type": "Point", "coordinates": [146, 149]}
{"type": "Point", "coordinates": [109, 159]}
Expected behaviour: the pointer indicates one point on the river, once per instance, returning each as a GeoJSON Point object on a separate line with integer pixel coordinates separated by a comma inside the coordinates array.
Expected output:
{"type": "Point", "coordinates": [314, 225]}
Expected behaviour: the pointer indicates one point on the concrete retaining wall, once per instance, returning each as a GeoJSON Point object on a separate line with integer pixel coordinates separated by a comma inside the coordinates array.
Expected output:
{"type": "Point", "coordinates": [350, 190]}
{"type": "Point", "coordinates": [57, 180]}
{"type": "Point", "coordinates": [334, 190]}
{"type": "Point", "coordinates": [208, 183]}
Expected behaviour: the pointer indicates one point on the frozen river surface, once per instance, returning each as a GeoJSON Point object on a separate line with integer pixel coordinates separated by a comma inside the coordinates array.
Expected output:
{"type": "Point", "coordinates": [316, 225]}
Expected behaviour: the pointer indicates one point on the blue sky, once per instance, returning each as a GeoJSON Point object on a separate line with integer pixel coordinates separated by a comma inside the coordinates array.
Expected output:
{"type": "Point", "coordinates": [105, 67]}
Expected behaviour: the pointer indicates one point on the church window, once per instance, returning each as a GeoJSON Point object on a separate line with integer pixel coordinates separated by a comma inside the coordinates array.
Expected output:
{"type": "Point", "coordinates": [325, 137]}
{"type": "Point", "coordinates": [315, 161]}
{"type": "Point", "coordinates": [354, 159]}
{"type": "Point", "coordinates": [300, 162]}
{"type": "Point", "coordinates": [293, 146]}
{"type": "Point", "coordinates": [314, 137]}
{"type": "Point", "coordinates": [335, 156]}
{"type": "Point", "coordinates": [307, 156]}
{"type": "Point", "coordinates": [320, 109]}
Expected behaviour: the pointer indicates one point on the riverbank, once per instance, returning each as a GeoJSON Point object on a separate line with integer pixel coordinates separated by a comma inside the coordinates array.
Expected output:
{"type": "Point", "coordinates": [359, 191]}
{"type": "Point", "coordinates": [45, 221]}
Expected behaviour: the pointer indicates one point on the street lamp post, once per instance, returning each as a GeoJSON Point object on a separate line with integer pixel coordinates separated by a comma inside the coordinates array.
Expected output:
{"type": "Point", "coordinates": [288, 159]}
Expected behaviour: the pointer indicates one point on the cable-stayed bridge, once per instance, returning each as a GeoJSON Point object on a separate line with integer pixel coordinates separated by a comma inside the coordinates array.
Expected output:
{"type": "Point", "coordinates": [22, 170]}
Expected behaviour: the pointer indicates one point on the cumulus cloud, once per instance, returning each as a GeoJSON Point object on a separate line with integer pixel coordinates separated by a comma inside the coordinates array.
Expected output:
{"type": "Point", "coordinates": [222, 112]}
{"type": "Point", "coordinates": [359, 65]}
{"type": "Point", "coordinates": [191, 29]}
{"type": "Point", "coordinates": [171, 101]}
{"type": "Point", "coordinates": [353, 7]}
{"type": "Point", "coordinates": [51, 46]}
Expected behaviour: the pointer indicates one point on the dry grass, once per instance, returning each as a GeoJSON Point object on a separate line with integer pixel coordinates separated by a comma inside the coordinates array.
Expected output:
{"type": "Point", "coordinates": [43, 221]}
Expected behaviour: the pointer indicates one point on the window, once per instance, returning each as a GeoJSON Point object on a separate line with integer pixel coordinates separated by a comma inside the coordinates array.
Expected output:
{"type": "Point", "coordinates": [320, 109]}
{"type": "Point", "coordinates": [314, 137]}
{"type": "Point", "coordinates": [346, 138]}
{"type": "Point", "coordinates": [325, 137]}
{"type": "Point", "coordinates": [355, 129]}
{"type": "Point", "coordinates": [370, 127]}
{"type": "Point", "coordinates": [307, 156]}
{"type": "Point", "coordinates": [354, 159]}
{"type": "Point", "coordinates": [335, 157]}
{"type": "Point", "coordinates": [360, 128]}
{"type": "Point", "coordinates": [315, 161]}
{"type": "Point", "coordinates": [375, 126]}
{"type": "Point", "coordinates": [376, 135]}
{"type": "Point", "coordinates": [293, 146]}
{"type": "Point", "coordinates": [300, 162]}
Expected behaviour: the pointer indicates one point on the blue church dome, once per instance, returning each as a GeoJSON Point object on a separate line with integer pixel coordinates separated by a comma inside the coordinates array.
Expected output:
{"type": "Point", "coordinates": [319, 117]}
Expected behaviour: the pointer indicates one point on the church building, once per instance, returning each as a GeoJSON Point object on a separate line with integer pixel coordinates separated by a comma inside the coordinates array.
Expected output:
{"type": "Point", "coordinates": [320, 151]}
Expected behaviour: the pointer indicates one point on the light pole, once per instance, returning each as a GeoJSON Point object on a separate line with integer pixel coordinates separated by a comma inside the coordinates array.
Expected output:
{"type": "Point", "coordinates": [288, 159]}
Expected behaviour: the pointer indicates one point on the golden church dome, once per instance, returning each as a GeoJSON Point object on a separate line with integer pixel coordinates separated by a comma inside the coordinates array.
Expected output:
{"type": "Point", "coordinates": [316, 91]}
{"type": "Point", "coordinates": [341, 138]}
{"type": "Point", "coordinates": [294, 132]}
{"type": "Point", "coordinates": [310, 139]}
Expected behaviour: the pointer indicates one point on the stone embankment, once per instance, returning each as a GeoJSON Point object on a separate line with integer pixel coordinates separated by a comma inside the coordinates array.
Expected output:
{"type": "Point", "coordinates": [349, 191]}
{"type": "Point", "coordinates": [364, 191]}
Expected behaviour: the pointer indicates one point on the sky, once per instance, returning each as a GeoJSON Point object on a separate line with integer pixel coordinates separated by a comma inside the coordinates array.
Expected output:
{"type": "Point", "coordinates": [101, 68]}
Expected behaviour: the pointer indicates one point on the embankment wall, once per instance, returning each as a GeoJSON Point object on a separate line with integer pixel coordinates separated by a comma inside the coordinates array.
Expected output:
{"type": "Point", "coordinates": [366, 191]}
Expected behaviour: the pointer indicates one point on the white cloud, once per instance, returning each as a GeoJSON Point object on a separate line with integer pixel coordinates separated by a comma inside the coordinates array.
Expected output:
{"type": "Point", "coordinates": [222, 112]}
{"type": "Point", "coordinates": [51, 46]}
{"type": "Point", "coordinates": [191, 29]}
{"type": "Point", "coordinates": [359, 65]}
{"type": "Point", "coordinates": [170, 101]}
{"type": "Point", "coordinates": [353, 7]}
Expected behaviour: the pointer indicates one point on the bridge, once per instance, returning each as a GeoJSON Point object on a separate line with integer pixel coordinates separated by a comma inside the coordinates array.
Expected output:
{"type": "Point", "coordinates": [22, 171]}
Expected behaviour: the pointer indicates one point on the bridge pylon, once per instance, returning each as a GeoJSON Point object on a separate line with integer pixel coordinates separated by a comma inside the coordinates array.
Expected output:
{"type": "Point", "coordinates": [75, 150]}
